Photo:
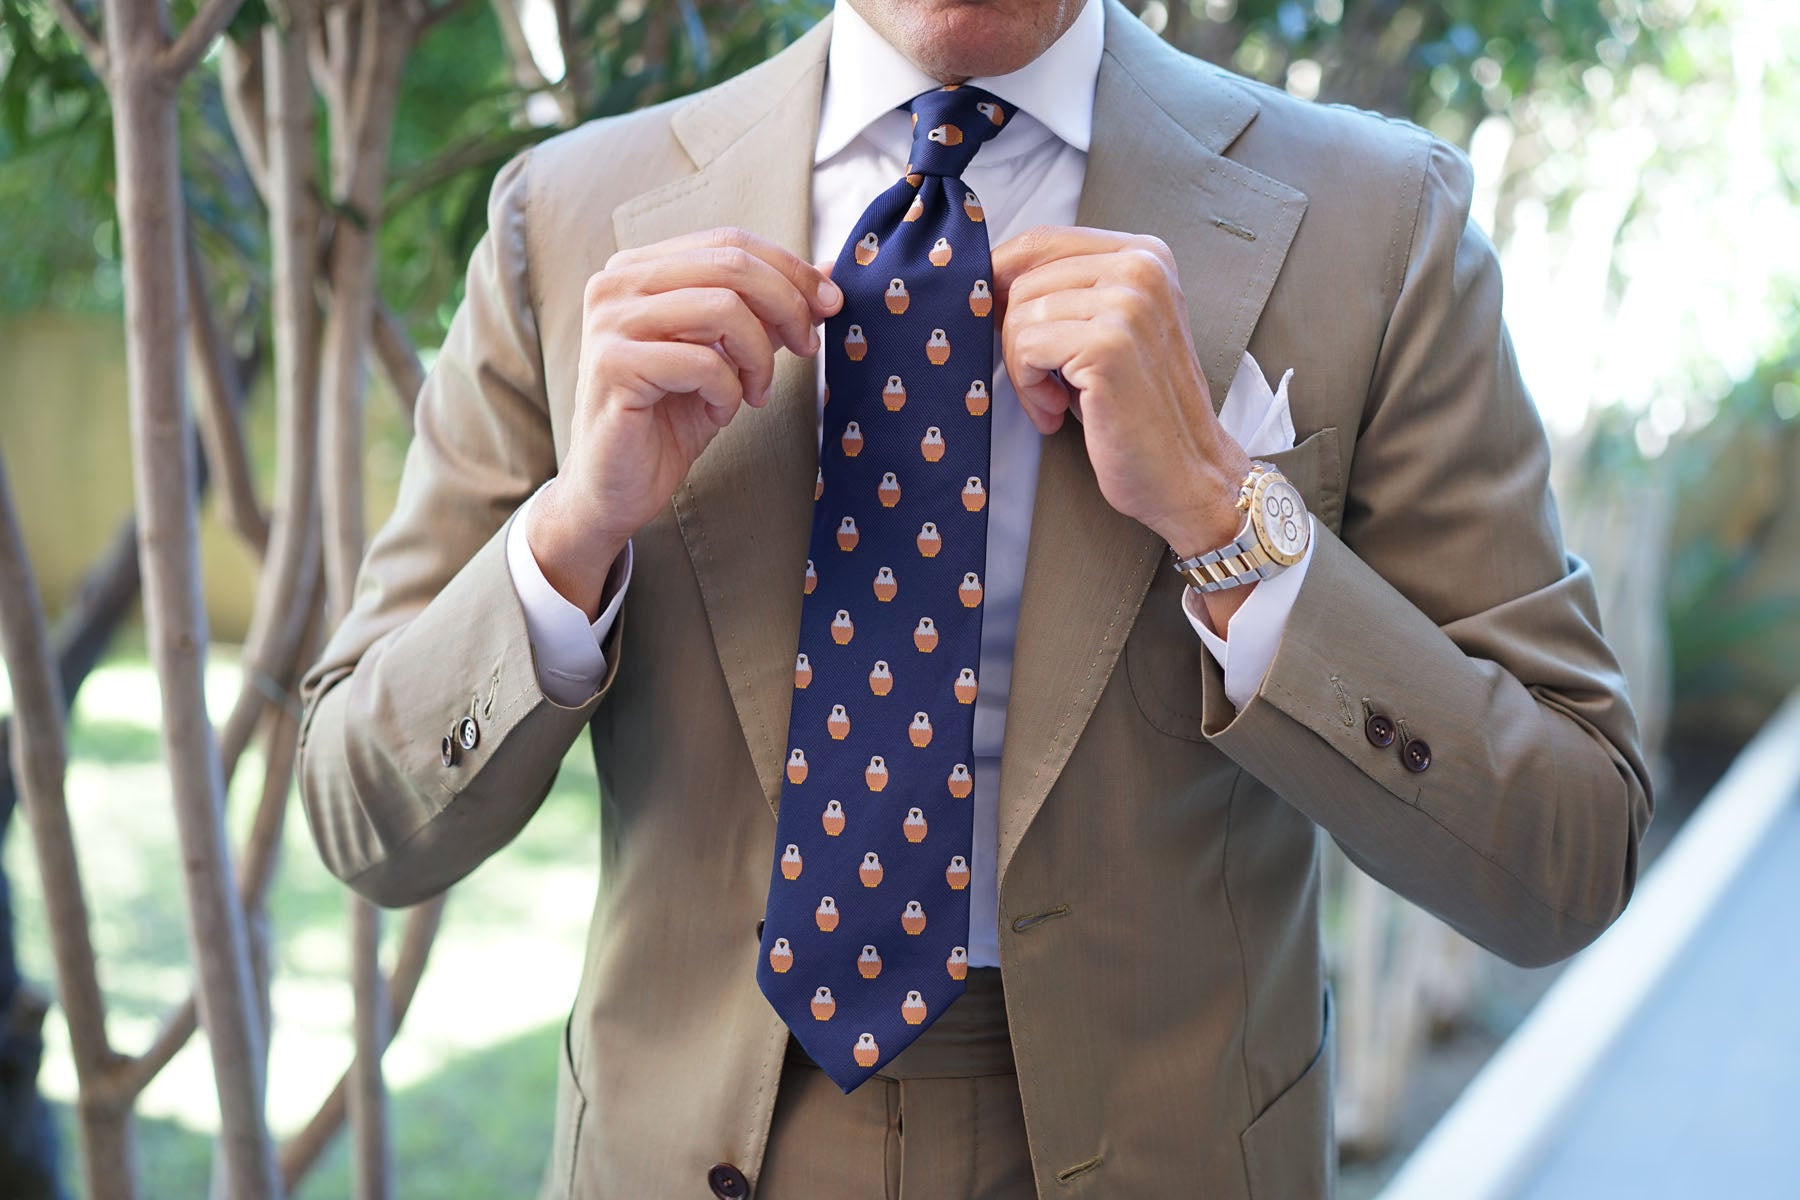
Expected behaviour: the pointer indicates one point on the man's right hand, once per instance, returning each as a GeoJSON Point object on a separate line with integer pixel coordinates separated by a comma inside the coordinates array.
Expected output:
{"type": "Point", "coordinates": [675, 337]}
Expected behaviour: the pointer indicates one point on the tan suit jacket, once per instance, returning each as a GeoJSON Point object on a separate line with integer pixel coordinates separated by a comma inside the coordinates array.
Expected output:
{"type": "Point", "coordinates": [1158, 857]}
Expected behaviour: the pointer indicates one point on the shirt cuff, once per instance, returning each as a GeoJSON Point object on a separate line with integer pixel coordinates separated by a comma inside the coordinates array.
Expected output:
{"type": "Point", "coordinates": [1248, 648]}
{"type": "Point", "coordinates": [564, 643]}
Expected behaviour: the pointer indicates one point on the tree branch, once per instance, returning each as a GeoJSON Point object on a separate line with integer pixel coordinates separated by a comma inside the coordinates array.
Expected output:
{"type": "Point", "coordinates": [147, 163]}
{"type": "Point", "coordinates": [371, 1149]}
{"type": "Point", "coordinates": [208, 23]}
{"type": "Point", "coordinates": [221, 432]}
{"type": "Point", "coordinates": [85, 33]}
{"type": "Point", "coordinates": [39, 762]}
{"type": "Point", "coordinates": [241, 86]}
{"type": "Point", "coordinates": [256, 871]}
{"type": "Point", "coordinates": [399, 360]}
{"type": "Point", "coordinates": [526, 75]}
{"type": "Point", "coordinates": [437, 14]}
{"type": "Point", "coordinates": [470, 153]}
{"type": "Point", "coordinates": [304, 1149]}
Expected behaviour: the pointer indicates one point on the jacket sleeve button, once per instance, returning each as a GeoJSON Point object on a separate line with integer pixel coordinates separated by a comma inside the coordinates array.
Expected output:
{"type": "Point", "coordinates": [447, 750]}
{"type": "Point", "coordinates": [1379, 729]}
{"type": "Point", "coordinates": [727, 1182]}
{"type": "Point", "coordinates": [1416, 755]}
{"type": "Point", "coordinates": [468, 733]}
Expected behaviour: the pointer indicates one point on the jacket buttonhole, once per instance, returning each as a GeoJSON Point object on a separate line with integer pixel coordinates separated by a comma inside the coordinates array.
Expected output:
{"type": "Point", "coordinates": [1080, 1168]}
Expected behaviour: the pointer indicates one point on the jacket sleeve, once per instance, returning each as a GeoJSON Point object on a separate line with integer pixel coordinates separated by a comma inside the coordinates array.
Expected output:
{"type": "Point", "coordinates": [436, 632]}
{"type": "Point", "coordinates": [1449, 606]}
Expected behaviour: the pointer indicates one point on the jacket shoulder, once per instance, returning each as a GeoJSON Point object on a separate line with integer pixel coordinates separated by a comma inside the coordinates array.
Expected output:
{"type": "Point", "coordinates": [1371, 181]}
{"type": "Point", "coordinates": [1333, 152]}
{"type": "Point", "coordinates": [602, 163]}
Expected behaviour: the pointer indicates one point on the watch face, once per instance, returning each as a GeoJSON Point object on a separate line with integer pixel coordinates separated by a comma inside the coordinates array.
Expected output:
{"type": "Point", "coordinates": [1282, 521]}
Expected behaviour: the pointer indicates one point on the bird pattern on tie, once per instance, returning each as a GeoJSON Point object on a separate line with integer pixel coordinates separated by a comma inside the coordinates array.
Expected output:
{"type": "Point", "coordinates": [865, 934]}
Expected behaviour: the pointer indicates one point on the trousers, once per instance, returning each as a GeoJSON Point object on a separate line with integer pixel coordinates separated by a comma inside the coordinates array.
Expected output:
{"type": "Point", "coordinates": [942, 1121]}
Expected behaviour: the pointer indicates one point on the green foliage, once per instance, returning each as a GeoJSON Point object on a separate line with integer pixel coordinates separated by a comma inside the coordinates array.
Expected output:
{"type": "Point", "coordinates": [461, 118]}
{"type": "Point", "coordinates": [1732, 631]}
{"type": "Point", "coordinates": [55, 168]}
{"type": "Point", "coordinates": [463, 114]}
{"type": "Point", "coordinates": [456, 124]}
{"type": "Point", "coordinates": [1443, 63]}
{"type": "Point", "coordinates": [1732, 586]}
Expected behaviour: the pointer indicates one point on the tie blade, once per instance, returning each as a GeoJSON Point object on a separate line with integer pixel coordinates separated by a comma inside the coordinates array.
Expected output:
{"type": "Point", "coordinates": [874, 834]}
{"type": "Point", "coordinates": [858, 1040]}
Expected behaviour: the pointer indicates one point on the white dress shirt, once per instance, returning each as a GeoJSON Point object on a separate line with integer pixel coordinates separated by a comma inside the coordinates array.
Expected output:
{"type": "Point", "coordinates": [1029, 174]}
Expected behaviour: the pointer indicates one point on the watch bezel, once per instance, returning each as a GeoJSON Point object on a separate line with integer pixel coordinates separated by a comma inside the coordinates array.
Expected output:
{"type": "Point", "coordinates": [1259, 488]}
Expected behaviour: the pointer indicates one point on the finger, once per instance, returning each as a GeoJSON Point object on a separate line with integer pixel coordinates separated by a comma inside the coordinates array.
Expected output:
{"type": "Point", "coordinates": [825, 268]}
{"type": "Point", "coordinates": [1066, 304]}
{"type": "Point", "coordinates": [1047, 243]}
{"type": "Point", "coordinates": [670, 368]}
{"type": "Point", "coordinates": [1143, 263]}
{"type": "Point", "coordinates": [769, 293]}
{"type": "Point", "coordinates": [1061, 275]}
{"type": "Point", "coordinates": [1073, 310]}
{"type": "Point", "coordinates": [820, 294]}
{"type": "Point", "coordinates": [1032, 356]}
{"type": "Point", "coordinates": [1128, 275]}
{"type": "Point", "coordinates": [705, 316]}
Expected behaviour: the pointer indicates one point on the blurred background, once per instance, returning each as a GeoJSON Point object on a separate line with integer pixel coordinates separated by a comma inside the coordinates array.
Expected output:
{"type": "Point", "coordinates": [1637, 165]}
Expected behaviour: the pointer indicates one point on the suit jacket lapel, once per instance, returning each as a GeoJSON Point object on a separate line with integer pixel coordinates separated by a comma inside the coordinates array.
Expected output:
{"type": "Point", "coordinates": [1161, 125]}
{"type": "Point", "coordinates": [746, 506]}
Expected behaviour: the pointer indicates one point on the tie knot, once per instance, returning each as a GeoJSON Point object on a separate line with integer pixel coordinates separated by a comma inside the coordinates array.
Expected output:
{"type": "Point", "coordinates": [949, 126]}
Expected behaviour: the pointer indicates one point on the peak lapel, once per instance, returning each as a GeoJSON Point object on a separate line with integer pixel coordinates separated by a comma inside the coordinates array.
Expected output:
{"type": "Point", "coordinates": [1161, 125]}
{"type": "Point", "coordinates": [745, 508]}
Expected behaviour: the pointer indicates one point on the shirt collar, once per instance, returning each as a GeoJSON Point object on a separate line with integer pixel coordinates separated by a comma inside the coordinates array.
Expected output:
{"type": "Point", "coordinates": [867, 78]}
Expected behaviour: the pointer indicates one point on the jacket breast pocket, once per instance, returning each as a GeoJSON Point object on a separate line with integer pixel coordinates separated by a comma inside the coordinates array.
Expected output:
{"type": "Point", "coordinates": [1163, 655]}
{"type": "Point", "coordinates": [1315, 466]}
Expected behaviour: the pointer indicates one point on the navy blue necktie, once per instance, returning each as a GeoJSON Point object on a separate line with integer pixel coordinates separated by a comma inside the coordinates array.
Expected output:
{"type": "Point", "coordinates": [865, 934]}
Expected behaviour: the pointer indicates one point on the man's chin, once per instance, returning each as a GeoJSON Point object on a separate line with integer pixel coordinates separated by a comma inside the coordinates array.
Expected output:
{"type": "Point", "coordinates": [953, 40]}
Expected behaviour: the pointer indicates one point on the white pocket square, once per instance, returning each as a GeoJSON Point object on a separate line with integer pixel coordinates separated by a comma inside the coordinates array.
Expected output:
{"type": "Point", "coordinates": [1257, 418]}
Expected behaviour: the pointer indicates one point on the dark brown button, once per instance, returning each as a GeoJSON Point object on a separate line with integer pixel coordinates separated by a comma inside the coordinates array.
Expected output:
{"type": "Point", "coordinates": [447, 750]}
{"type": "Point", "coordinates": [1379, 729]}
{"type": "Point", "coordinates": [468, 733]}
{"type": "Point", "coordinates": [727, 1182]}
{"type": "Point", "coordinates": [1416, 755]}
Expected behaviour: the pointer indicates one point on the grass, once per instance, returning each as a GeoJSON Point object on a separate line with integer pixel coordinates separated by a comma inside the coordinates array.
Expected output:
{"type": "Point", "coordinates": [477, 1130]}
{"type": "Point", "coordinates": [473, 1070]}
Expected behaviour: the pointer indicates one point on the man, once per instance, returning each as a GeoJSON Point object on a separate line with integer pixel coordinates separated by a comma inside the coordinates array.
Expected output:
{"type": "Point", "coordinates": [1140, 758]}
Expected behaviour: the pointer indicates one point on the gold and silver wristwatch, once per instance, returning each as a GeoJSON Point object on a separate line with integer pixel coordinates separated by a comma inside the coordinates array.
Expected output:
{"type": "Point", "coordinates": [1273, 537]}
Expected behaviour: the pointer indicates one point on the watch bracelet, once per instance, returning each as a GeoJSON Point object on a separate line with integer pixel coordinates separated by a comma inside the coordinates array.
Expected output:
{"type": "Point", "coordinates": [1241, 561]}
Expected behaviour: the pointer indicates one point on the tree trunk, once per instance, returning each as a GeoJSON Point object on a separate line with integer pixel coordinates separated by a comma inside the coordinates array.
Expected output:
{"type": "Point", "coordinates": [147, 164]}
{"type": "Point", "coordinates": [305, 1147]}
{"type": "Point", "coordinates": [368, 88]}
{"type": "Point", "coordinates": [39, 762]}
{"type": "Point", "coordinates": [38, 765]}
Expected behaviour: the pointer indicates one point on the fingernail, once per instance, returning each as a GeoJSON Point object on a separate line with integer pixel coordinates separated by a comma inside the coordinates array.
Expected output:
{"type": "Point", "coordinates": [829, 294]}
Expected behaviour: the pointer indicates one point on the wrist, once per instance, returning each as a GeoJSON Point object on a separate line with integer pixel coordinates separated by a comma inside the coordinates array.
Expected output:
{"type": "Point", "coordinates": [1209, 517]}
{"type": "Point", "coordinates": [574, 549]}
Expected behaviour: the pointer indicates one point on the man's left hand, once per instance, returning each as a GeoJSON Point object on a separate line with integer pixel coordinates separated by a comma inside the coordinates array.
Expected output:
{"type": "Point", "coordinates": [1104, 310]}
